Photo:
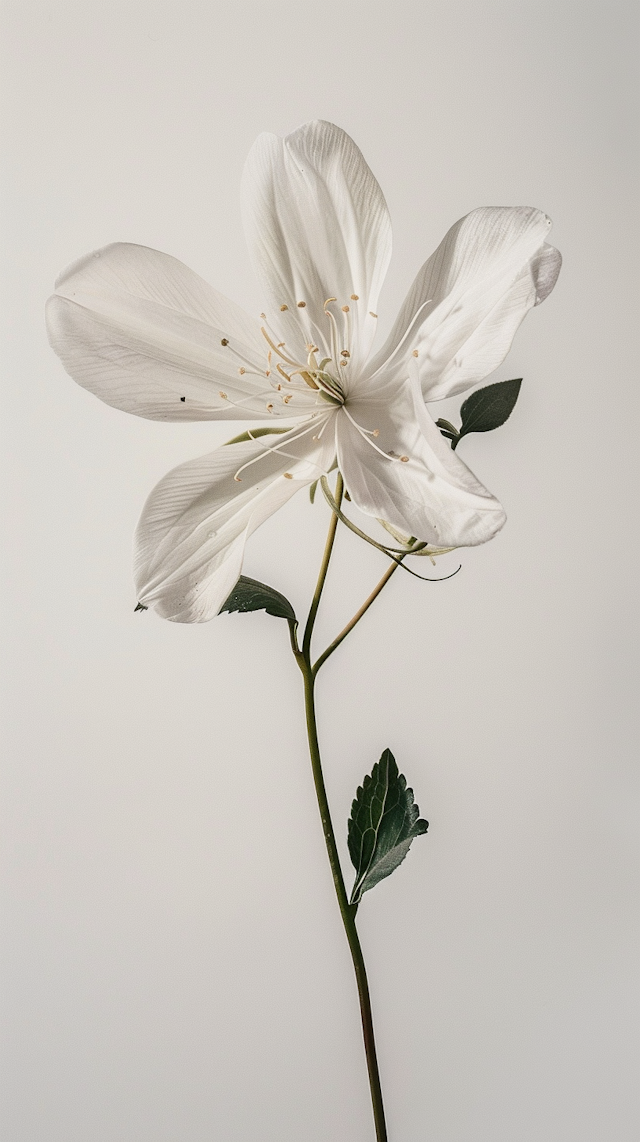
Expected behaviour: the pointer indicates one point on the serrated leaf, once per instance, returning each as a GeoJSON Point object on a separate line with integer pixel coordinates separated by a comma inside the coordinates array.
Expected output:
{"type": "Point", "coordinates": [384, 821]}
{"type": "Point", "coordinates": [253, 434]}
{"type": "Point", "coordinates": [251, 595]}
{"type": "Point", "coordinates": [489, 407]}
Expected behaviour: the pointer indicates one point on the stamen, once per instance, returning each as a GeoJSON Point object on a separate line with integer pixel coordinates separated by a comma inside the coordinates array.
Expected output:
{"type": "Point", "coordinates": [415, 352]}
{"type": "Point", "coordinates": [288, 476]}
{"type": "Point", "coordinates": [301, 304]}
{"type": "Point", "coordinates": [366, 433]}
{"type": "Point", "coordinates": [241, 357]}
{"type": "Point", "coordinates": [335, 336]}
{"type": "Point", "coordinates": [347, 332]}
{"type": "Point", "coordinates": [276, 348]}
{"type": "Point", "coordinates": [404, 459]}
{"type": "Point", "coordinates": [273, 448]}
{"type": "Point", "coordinates": [415, 321]}
{"type": "Point", "coordinates": [354, 297]}
{"type": "Point", "coordinates": [223, 396]}
{"type": "Point", "coordinates": [283, 308]}
{"type": "Point", "coordinates": [345, 353]}
{"type": "Point", "coordinates": [372, 314]}
{"type": "Point", "coordinates": [328, 300]}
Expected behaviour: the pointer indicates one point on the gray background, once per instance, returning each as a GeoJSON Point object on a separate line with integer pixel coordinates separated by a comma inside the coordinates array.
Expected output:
{"type": "Point", "coordinates": [175, 968]}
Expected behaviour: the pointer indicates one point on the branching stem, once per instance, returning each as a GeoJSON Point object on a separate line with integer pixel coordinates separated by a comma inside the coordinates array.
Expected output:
{"type": "Point", "coordinates": [347, 910]}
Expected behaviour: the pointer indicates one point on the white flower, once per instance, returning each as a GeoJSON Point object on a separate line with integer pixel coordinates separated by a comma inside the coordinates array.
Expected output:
{"type": "Point", "coordinates": [145, 334]}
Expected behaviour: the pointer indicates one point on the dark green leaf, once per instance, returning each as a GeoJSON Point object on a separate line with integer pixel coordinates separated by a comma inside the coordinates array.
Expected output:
{"type": "Point", "coordinates": [253, 434]}
{"type": "Point", "coordinates": [489, 407]}
{"type": "Point", "coordinates": [384, 820]}
{"type": "Point", "coordinates": [250, 595]}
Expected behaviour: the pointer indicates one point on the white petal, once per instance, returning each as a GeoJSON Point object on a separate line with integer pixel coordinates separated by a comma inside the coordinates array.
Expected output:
{"type": "Point", "coordinates": [318, 227]}
{"type": "Point", "coordinates": [190, 538]}
{"type": "Point", "coordinates": [431, 494]}
{"type": "Point", "coordinates": [469, 298]}
{"type": "Point", "coordinates": [147, 335]}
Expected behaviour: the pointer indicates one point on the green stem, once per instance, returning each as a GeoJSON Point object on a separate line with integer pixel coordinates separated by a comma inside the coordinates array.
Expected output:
{"type": "Point", "coordinates": [322, 575]}
{"type": "Point", "coordinates": [347, 910]}
{"type": "Point", "coordinates": [356, 618]}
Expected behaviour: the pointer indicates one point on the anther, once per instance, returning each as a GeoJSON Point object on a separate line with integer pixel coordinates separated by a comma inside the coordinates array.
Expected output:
{"type": "Point", "coordinates": [404, 459]}
{"type": "Point", "coordinates": [345, 353]}
{"type": "Point", "coordinates": [287, 398]}
{"type": "Point", "coordinates": [223, 396]}
{"type": "Point", "coordinates": [372, 314]}
{"type": "Point", "coordinates": [345, 309]}
{"type": "Point", "coordinates": [263, 316]}
{"type": "Point", "coordinates": [242, 371]}
{"type": "Point", "coordinates": [375, 432]}
{"type": "Point", "coordinates": [344, 364]}
{"type": "Point", "coordinates": [283, 308]}
{"type": "Point", "coordinates": [224, 341]}
{"type": "Point", "coordinates": [301, 304]}
{"type": "Point", "coordinates": [270, 409]}
{"type": "Point", "coordinates": [415, 352]}
{"type": "Point", "coordinates": [328, 300]}
{"type": "Point", "coordinates": [288, 476]}
{"type": "Point", "coordinates": [354, 297]}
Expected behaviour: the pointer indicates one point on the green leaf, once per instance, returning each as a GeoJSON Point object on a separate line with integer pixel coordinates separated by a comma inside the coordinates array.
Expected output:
{"type": "Point", "coordinates": [312, 490]}
{"type": "Point", "coordinates": [253, 434]}
{"type": "Point", "coordinates": [488, 408]}
{"type": "Point", "coordinates": [384, 820]}
{"type": "Point", "coordinates": [250, 595]}
{"type": "Point", "coordinates": [447, 428]}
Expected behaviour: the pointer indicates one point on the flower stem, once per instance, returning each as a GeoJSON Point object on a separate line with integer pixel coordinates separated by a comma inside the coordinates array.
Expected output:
{"type": "Point", "coordinates": [347, 910]}
{"type": "Point", "coordinates": [356, 618]}
{"type": "Point", "coordinates": [322, 575]}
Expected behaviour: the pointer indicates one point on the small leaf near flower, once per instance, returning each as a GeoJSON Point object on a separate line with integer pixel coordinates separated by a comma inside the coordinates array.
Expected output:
{"type": "Point", "coordinates": [447, 429]}
{"type": "Point", "coordinates": [251, 595]}
{"type": "Point", "coordinates": [384, 821]}
{"type": "Point", "coordinates": [484, 410]}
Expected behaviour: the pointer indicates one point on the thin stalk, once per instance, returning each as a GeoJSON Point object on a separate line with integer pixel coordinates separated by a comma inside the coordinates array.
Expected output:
{"type": "Point", "coordinates": [347, 910]}
{"type": "Point", "coordinates": [356, 618]}
{"type": "Point", "coordinates": [322, 575]}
